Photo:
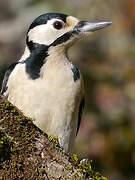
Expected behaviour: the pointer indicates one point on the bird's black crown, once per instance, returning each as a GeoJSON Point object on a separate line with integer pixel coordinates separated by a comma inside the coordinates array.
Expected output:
{"type": "Point", "coordinates": [42, 19]}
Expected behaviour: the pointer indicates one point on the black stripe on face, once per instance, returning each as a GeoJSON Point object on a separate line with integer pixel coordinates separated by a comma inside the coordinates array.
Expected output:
{"type": "Point", "coordinates": [62, 39]}
{"type": "Point", "coordinates": [39, 53]}
{"type": "Point", "coordinates": [42, 19]}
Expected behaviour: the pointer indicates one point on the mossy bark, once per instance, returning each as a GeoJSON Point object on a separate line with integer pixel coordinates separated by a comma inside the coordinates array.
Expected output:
{"type": "Point", "coordinates": [27, 153]}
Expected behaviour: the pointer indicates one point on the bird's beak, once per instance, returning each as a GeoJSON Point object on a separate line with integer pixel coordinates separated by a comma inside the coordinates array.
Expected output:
{"type": "Point", "coordinates": [84, 27]}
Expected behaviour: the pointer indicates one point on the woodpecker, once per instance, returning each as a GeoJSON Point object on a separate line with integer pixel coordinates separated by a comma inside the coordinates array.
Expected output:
{"type": "Point", "coordinates": [44, 84]}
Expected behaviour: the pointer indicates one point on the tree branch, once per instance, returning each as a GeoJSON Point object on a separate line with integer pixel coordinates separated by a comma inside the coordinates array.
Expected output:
{"type": "Point", "coordinates": [27, 153]}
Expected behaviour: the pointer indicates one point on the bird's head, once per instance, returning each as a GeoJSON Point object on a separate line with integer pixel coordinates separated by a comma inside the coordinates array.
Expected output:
{"type": "Point", "coordinates": [54, 29]}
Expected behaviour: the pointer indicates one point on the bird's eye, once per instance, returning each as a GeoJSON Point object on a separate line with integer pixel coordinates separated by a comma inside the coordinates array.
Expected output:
{"type": "Point", "coordinates": [57, 25]}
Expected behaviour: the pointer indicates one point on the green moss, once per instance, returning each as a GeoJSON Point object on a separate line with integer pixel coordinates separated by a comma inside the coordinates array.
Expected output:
{"type": "Point", "coordinates": [54, 139]}
{"type": "Point", "coordinates": [16, 165]}
{"type": "Point", "coordinates": [86, 168]}
{"type": "Point", "coordinates": [75, 157]}
{"type": "Point", "coordinates": [5, 148]}
{"type": "Point", "coordinates": [7, 105]}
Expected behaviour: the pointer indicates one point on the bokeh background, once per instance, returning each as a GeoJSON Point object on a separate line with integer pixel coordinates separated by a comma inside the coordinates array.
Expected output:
{"type": "Point", "coordinates": [107, 62]}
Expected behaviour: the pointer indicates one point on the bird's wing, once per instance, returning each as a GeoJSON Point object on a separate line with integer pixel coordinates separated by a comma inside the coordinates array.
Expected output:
{"type": "Point", "coordinates": [81, 107]}
{"type": "Point", "coordinates": [6, 77]}
{"type": "Point", "coordinates": [77, 76]}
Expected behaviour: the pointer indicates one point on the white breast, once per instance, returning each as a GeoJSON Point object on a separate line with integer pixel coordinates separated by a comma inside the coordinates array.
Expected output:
{"type": "Point", "coordinates": [51, 100]}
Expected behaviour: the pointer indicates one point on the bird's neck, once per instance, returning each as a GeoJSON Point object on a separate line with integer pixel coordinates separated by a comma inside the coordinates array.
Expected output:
{"type": "Point", "coordinates": [34, 58]}
{"type": "Point", "coordinates": [25, 55]}
{"type": "Point", "coordinates": [43, 56]}
{"type": "Point", "coordinates": [57, 54]}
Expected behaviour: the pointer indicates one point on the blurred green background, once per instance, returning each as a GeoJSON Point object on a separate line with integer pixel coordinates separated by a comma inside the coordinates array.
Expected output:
{"type": "Point", "coordinates": [107, 62]}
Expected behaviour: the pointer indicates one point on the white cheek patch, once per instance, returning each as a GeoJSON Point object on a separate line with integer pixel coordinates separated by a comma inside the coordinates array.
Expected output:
{"type": "Point", "coordinates": [45, 33]}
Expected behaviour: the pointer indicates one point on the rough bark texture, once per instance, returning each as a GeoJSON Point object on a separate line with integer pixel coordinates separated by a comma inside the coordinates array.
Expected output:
{"type": "Point", "coordinates": [27, 153]}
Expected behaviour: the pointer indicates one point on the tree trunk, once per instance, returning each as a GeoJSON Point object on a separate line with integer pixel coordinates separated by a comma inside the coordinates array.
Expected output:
{"type": "Point", "coordinates": [27, 153]}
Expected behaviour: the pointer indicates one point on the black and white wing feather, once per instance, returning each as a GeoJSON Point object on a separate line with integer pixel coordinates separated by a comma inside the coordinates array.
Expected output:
{"type": "Point", "coordinates": [81, 108]}
{"type": "Point", "coordinates": [6, 77]}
